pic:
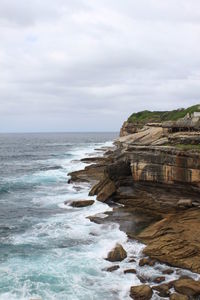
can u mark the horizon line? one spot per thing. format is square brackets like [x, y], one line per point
[34, 132]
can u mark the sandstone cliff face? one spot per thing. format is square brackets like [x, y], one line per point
[164, 166]
[151, 161]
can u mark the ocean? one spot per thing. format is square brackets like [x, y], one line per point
[49, 250]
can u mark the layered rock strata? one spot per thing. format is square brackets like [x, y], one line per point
[158, 186]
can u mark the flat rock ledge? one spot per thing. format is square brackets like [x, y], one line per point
[117, 254]
[141, 292]
[81, 203]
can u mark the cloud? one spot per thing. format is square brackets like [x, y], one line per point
[88, 64]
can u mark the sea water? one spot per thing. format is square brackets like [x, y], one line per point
[49, 250]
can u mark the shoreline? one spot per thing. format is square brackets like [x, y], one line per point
[123, 215]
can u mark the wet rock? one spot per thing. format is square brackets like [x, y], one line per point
[147, 261]
[130, 271]
[132, 260]
[81, 203]
[159, 279]
[117, 254]
[141, 292]
[112, 269]
[187, 287]
[142, 278]
[163, 290]
[168, 272]
[175, 296]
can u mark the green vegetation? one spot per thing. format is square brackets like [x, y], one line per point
[186, 147]
[161, 116]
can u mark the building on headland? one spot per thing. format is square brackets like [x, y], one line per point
[188, 123]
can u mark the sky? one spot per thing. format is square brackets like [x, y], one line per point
[86, 65]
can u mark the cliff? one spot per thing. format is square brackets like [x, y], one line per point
[154, 174]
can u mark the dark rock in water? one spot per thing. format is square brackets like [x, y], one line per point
[96, 219]
[112, 269]
[93, 159]
[159, 279]
[168, 272]
[187, 287]
[81, 203]
[130, 271]
[163, 290]
[175, 296]
[117, 254]
[132, 260]
[141, 292]
[147, 261]
[142, 278]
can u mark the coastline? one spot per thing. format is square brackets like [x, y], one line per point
[136, 221]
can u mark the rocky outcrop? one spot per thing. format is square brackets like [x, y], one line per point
[117, 254]
[175, 240]
[141, 292]
[81, 203]
[128, 128]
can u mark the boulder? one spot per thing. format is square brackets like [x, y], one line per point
[81, 203]
[141, 292]
[159, 279]
[187, 287]
[117, 254]
[163, 290]
[112, 269]
[130, 271]
[147, 261]
[168, 272]
[175, 296]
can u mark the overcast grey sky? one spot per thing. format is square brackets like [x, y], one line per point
[86, 65]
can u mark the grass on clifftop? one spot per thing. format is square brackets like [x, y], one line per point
[146, 116]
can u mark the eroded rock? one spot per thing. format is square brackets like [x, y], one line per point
[176, 296]
[130, 271]
[106, 191]
[147, 261]
[112, 269]
[163, 290]
[81, 203]
[187, 287]
[117, 253]
[141, 292]
[159, 279]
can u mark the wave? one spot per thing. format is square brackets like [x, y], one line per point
[49, 176]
